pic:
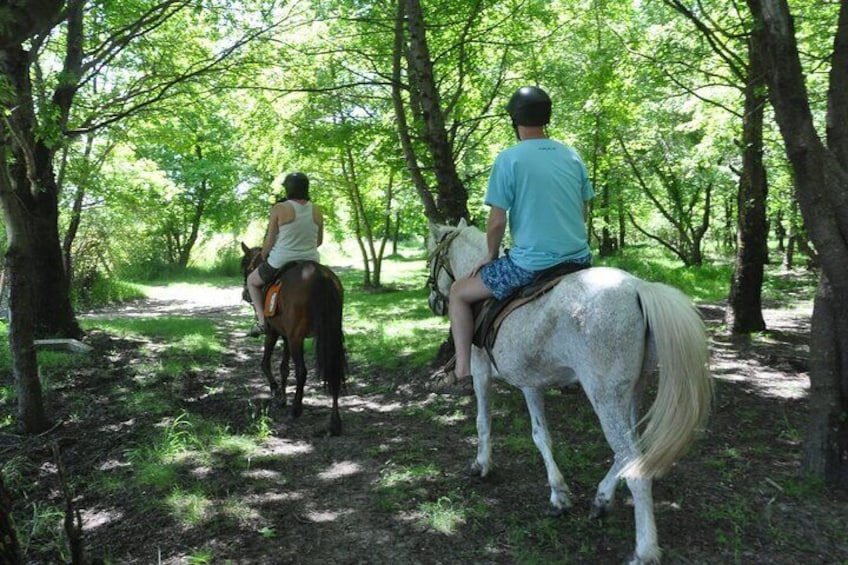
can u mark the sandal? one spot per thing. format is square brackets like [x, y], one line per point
[452, 385]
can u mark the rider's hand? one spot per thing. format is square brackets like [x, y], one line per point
[485, 261]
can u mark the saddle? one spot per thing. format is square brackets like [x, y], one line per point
[489, 314]
[271, 291]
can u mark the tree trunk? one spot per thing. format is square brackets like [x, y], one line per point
[821, 175]
[606, 248]
[10, 549]
[746, 314]
[54, 314]
[826, 436]
[34, 185]
[452, 201]
[431, 211]
[30, 416]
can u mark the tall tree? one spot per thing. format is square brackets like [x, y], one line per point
[821, 177]
[440, 105]
[197, 148]
[722, 29]
[37, 122]
[28, 198]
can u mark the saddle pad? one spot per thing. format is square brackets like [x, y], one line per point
[272, 295]
[489, 314]
[271, 291]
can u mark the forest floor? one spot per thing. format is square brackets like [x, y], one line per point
[735, 498]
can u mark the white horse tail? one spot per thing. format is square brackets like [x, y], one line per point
[685, 387]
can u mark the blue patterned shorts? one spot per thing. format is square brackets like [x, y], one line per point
[503, 277]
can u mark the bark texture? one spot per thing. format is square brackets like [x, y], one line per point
[821, 177]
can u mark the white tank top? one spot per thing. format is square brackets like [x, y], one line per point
[297, 240]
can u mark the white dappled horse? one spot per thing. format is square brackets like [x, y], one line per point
[608, 331]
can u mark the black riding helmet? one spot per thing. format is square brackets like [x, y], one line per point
[297, 186]
[530, 106]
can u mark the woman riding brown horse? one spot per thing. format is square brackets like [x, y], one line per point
[309, 304]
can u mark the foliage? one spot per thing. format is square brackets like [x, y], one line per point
[621, 75]
[97, 290]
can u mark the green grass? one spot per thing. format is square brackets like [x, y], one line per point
[392, 327]
[707, 283]
[388, 331]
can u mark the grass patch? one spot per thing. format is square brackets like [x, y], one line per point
[392, 327]
[707, 283]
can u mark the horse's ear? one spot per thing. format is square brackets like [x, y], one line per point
[245, 248]
[462, 223]
[434, 234]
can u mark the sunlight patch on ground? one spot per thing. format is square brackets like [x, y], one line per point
[113, 464]
[117, 427]
[201, 472]
[325, 515]
[261, 474]
[767, 381]
[339, 470]
[92, 519]
[281, 446]
[266, 497]
[376, 405]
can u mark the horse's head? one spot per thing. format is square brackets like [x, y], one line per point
[443, 263]
[249, 261]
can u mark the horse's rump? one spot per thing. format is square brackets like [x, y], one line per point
[589, 322]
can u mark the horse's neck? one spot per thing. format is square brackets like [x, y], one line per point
[470, 249]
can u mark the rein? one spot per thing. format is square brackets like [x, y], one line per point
[438, 261]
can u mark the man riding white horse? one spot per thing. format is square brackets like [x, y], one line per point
[540, 187]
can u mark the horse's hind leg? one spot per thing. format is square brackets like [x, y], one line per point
[270, 342]
[560, 498]
[284, 371]
[300, 378]
[605, 495]
[335, 417]
[615, 416]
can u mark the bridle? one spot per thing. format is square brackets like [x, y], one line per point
[438, 261]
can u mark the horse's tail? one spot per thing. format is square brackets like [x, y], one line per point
[326, 313]
[685, 388]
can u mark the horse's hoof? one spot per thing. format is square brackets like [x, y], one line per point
[475, 471]
[636, 560]
[555, 512]
[598, 512]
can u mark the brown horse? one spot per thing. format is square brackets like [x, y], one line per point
[309, 305]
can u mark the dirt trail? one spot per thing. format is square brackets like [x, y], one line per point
[392, 488]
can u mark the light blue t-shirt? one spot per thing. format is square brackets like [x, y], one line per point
[543, 185]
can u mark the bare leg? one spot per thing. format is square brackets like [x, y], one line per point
[463, 294]
[254, 287]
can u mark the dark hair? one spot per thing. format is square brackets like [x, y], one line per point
[297, 186]
[530, 106]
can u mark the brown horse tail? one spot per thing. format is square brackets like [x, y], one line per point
[326, 314]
